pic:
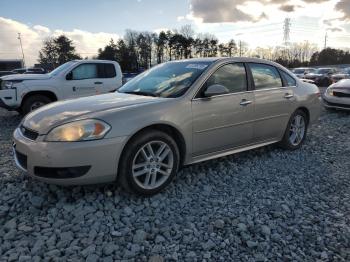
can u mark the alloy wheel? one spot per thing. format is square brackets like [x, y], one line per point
[152, 164]
[297, 130]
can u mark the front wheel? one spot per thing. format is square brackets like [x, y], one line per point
[296, 131]
[149, 163]
[34, 102]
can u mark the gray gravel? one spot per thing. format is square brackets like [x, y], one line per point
[262, 205]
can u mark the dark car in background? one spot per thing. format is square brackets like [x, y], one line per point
[322, 76]
[343, 74]
[5, 73]
[300, 72]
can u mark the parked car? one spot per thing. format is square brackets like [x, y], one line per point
[5, 73]
[337, 96]
[343, 74]
[322, 76]
[35, 70]
[175, 114]
[19, 70]
[73, 79]
[300, 72]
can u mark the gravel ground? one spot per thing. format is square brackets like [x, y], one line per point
[262, 205]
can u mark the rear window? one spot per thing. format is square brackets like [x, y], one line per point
[106, 70]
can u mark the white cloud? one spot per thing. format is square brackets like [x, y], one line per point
[87, 43]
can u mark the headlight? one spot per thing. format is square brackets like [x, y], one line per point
[83, 130]
[6, 84]
[329, 91]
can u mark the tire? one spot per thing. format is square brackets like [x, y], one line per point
[149, 178]
[33, 102]
[286, 142]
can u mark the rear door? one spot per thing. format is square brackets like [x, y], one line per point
[224, 121]
[81, 81]
[273, 102]
[107, 81]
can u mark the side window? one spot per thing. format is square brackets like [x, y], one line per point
[290, 80]
[106, 70]
[265, 76]
[84, 71]
[231, 76]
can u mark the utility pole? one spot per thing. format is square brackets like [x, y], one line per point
[240, 48]
[286, 31]
[20, 42]
[325, 40]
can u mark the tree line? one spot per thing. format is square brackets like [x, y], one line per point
[138, 51]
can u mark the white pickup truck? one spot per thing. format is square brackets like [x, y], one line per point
[26, 92]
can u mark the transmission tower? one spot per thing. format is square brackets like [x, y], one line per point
[286, 31]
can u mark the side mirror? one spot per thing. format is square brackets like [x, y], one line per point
[215, 90]
[69, 76]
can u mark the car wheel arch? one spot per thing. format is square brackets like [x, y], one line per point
[166, 128]
[306, 111]
[49, 94]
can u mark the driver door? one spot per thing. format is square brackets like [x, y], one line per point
[223, 122]
[82, 81]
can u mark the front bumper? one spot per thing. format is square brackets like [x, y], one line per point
[341, 103]
[78, 163]
[8, 99]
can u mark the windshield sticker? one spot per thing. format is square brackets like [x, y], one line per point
[196, 66]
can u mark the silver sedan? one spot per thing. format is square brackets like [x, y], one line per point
[175, 114]
[337, 96]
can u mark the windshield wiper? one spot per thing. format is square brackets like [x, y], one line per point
[140, 93]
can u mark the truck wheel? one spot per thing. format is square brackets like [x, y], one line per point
[33, 102]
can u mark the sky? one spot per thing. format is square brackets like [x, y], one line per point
[91, 24]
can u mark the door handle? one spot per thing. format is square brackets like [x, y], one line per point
[98, 83]
[287, 96]
[74, 88]
[245, 102]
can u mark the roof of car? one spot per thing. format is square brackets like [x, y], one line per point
[236, 59]
[94, 61]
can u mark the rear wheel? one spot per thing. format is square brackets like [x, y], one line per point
[296, 131]
[34, 102]
[149, 163]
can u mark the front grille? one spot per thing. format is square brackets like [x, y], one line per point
[22, 159]
[30, 134]
[340, 94]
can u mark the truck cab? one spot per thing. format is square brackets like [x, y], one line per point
[78, 78]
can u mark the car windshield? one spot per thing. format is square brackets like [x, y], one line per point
[323, 70]
[61, 68]
[298, 71]
[170, 79]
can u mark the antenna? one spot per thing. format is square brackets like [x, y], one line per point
[286, 30]
[20, 42]
[325, 40]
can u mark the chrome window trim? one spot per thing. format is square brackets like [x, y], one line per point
[223, 95]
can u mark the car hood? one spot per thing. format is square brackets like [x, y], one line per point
[343, 85]
[22, 77]
[45, 118]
